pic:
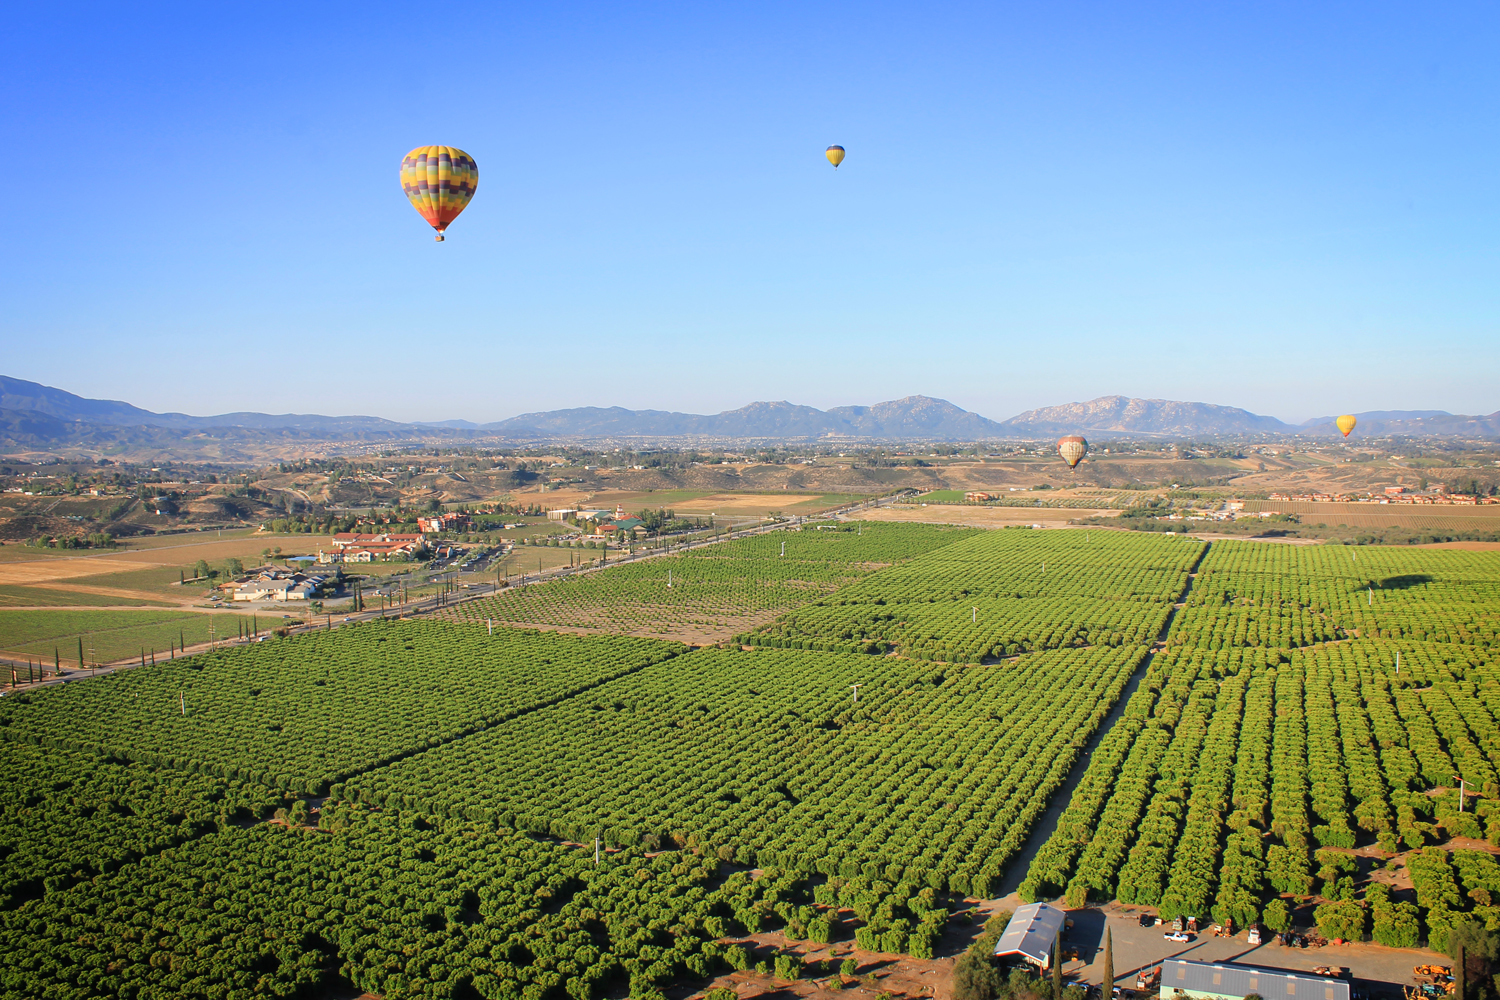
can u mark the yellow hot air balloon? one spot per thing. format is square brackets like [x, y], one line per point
[835, 155]
[1346, 423]
[439, 181]
[1072, 448]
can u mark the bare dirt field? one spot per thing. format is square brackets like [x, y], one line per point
[1369, 515]
[693, 503]
[1466, 546]
[875, 972]
[982, 517]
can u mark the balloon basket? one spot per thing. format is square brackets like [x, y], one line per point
[439, 237]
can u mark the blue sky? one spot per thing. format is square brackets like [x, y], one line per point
[1287, 207]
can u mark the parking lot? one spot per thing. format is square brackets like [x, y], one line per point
[1373, 969]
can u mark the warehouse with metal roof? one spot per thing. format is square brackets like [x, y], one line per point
[1181, 978]
[1031, 933]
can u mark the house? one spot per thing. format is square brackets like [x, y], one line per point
[275, 585]
[620, 524]
[444, 522]
[1181, 978]
[1031, 934]
[347, 538]
[382, 551]
[975, 496]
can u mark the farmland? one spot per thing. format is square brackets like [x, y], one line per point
[397, 806]
[1276, 735]
[113, 634]
[710, 593]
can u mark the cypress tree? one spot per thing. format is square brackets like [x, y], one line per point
[1109, 963]
[80, 652]
[1057, 967]
[1460, 977]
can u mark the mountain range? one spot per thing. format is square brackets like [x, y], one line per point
[34, 416]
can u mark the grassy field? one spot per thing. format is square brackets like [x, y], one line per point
[114, 634]
[45, 597]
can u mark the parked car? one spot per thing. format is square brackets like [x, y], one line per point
[1178, 936]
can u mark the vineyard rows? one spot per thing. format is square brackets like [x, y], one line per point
[1270, 736]
[298, 714]
[404, 909]
[719, 589]
[1275, 734]
[67, 816]
[998, 594]
[763, 758]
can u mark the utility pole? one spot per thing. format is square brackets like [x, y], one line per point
[182, 701]
[596, 851]
[856, 688]
[975, 617]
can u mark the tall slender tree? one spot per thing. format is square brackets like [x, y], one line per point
[1057, 967]
[1109, 963]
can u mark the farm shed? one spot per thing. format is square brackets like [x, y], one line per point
[1032, 932]
[1226, 981]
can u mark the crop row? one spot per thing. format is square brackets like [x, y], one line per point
[728, 586]
[67, 816]
[999, 594]
[935, 776]
[299, 713]
[405, 910]
[1251, 744]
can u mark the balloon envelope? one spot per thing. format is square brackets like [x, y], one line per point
[835, 155]
[439, 181]
[1346, 423]
[1072, 448]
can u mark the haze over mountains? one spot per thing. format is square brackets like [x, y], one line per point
[38, 417]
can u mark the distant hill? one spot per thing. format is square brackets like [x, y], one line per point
[1143, 417]
[912, 417]
[1411, 423]
[36, 417]
[18, 394]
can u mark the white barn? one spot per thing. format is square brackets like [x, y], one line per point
[1031, 934]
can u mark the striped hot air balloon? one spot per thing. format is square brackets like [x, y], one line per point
[835, 155]
[1346, 423]
[439, 181]
[1072, 448]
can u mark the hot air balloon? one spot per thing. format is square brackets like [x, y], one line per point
[1346, 423]
[1072, 448]
[439, 181]
[835, 155]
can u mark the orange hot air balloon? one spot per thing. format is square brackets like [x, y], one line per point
[439, 181]
[1346, 423]
[1072, 448]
